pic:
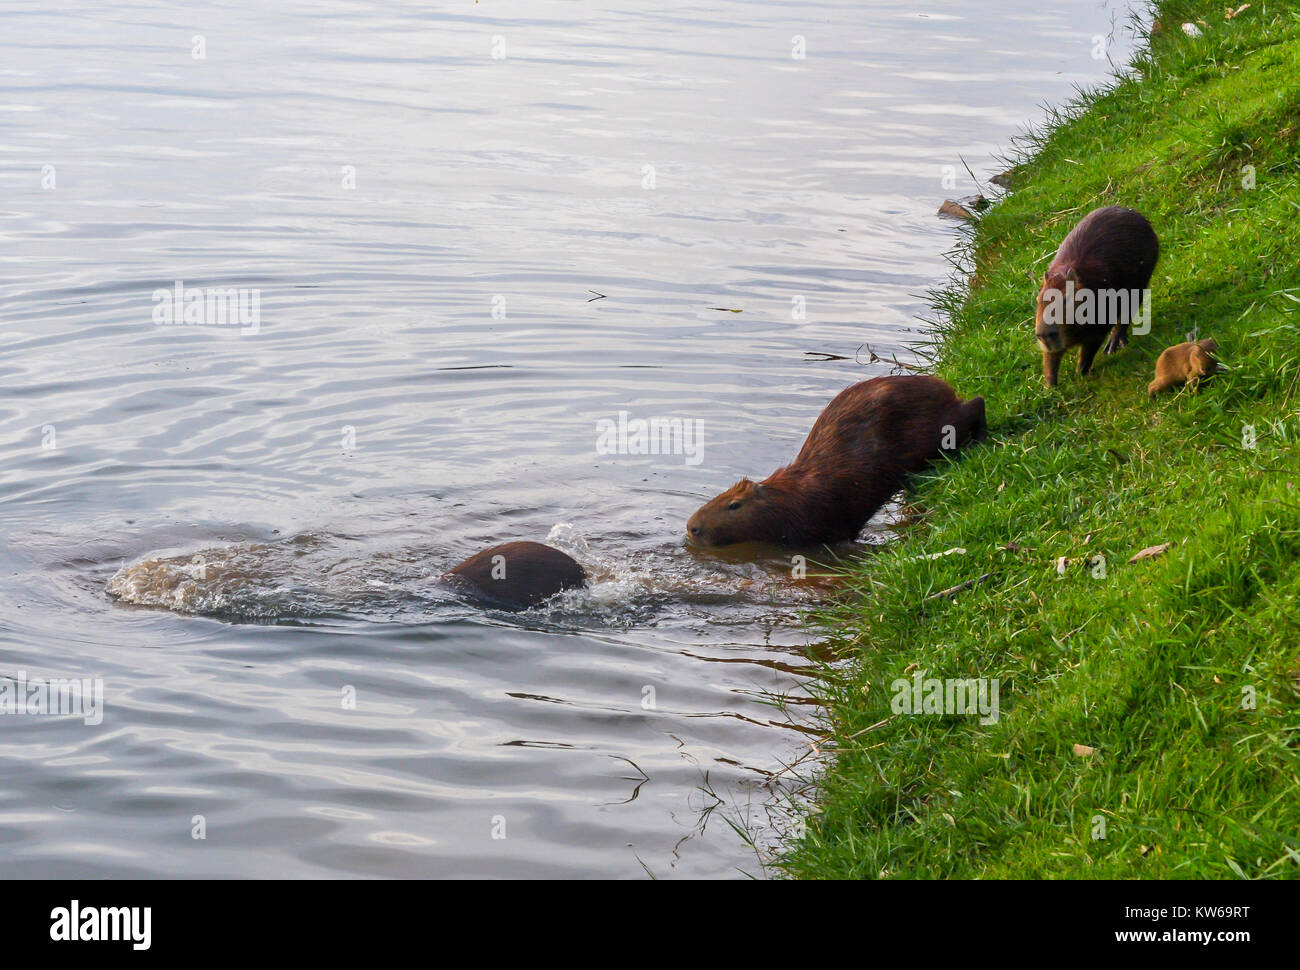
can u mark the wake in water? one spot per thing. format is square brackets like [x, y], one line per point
[319, 575]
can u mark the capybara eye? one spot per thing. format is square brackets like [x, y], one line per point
[733, 506]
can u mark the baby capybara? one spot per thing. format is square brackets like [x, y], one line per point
[1094, 287]
[516, 574]
[1185, 364]
[858, 454]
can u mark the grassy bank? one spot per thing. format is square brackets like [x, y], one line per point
[1152, 665]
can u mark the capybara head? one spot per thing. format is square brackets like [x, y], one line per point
[743, 513]
[1200, 359]
[1055, 311]
[517, 574]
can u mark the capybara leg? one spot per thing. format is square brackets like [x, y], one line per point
[1051, 366]
[1162, 384]
[1086, 355]
[1118, 338]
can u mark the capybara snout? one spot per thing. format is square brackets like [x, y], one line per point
[737, 515]
[1049, 340]
[516, 575]
[858, 454]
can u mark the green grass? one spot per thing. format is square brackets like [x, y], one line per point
[1149, 664]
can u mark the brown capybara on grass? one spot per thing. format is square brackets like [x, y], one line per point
[1185, 364]
[858, 454]
[516, 574]
[1094, 286]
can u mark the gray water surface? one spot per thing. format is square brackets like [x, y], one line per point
[428, 228]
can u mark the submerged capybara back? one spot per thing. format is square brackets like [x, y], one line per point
[517, 574]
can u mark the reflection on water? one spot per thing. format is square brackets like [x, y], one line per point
[463, 264]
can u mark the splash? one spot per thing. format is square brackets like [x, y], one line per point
[317, 575]
[297, 578]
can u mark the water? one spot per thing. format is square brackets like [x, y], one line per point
[428, 228]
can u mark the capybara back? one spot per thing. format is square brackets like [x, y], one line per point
[517, 574]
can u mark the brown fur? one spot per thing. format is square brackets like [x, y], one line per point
[1111, 248]
[1184, 364]
[527, 574]
[858, 454]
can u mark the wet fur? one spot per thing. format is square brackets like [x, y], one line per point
[857, 456]
[1111, 248]
[533, 573]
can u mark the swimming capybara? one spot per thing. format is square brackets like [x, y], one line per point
[1094, 286]
[858, 454]
[516, 574]
[1185, 364]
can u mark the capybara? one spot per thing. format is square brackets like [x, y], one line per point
[858, 454]
[516, 574]
[1094, 286]
[1185, 364]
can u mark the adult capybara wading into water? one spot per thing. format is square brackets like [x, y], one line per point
[1094, 287]
[858, 454]
[516, 574]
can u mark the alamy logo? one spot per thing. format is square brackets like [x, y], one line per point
[80, 697]
[213, 306]
[651, 436]
[1068, 306]
[72, 924]
[922, 695]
